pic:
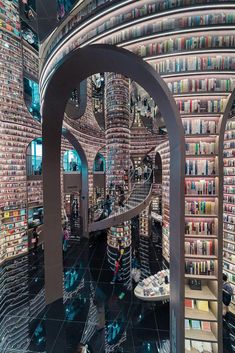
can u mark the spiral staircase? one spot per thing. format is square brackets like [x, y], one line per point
[139, 198]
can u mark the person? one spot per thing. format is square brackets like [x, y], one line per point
[227, 294]
[116, 270]
[35, 239]
[83, 349]
[121, 199]
[74, 166]
[145, 172]
[139, 173]
[108, 204]
[65, 238]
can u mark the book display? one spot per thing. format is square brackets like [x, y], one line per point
[229, 202]
[155, 287]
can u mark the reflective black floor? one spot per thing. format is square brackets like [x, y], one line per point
[107, 317]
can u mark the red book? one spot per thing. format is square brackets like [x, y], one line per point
[189, 303]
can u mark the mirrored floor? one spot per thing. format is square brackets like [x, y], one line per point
[107, 317]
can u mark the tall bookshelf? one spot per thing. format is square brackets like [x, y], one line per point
[229, 201]
[201, 119]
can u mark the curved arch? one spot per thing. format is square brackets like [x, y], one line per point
[100, 156]
[74, 68]
[75, 113]
[84, 191]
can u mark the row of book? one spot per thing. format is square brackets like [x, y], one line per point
[229, 189]
[229, 171]
[199, 346]
[201, 85]
[228, 154]
[194, 267]
[201, 106]
[200, 207]
[150, 28]
[229, 162]
[200, 228]
[229, 199]
[195, 63]
[229, 227]
[228, 218]
[228, 266]
[229, 236]
[199, 126]
[229, 135]
[199, 247]
[200, 187]
[200, 167]
[200, 148]
[228, 145]
[184, 43]
[201, 305]
[229, 246]
[229, 181]
[229, 208]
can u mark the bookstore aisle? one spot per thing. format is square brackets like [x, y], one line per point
[107, 317]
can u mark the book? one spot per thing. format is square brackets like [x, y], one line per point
[206, 326]
[189, 303]
[187, 324]
[195, 324]
[188, 345]
[202, 305]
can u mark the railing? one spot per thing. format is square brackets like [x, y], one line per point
[101, 216]
[34, 165]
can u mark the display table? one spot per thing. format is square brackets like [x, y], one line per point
[154, 288]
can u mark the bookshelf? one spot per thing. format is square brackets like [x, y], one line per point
[188, 64]
[164, 150]
[129, 21]
[229, 202]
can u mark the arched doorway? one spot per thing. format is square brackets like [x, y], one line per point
[74, 68]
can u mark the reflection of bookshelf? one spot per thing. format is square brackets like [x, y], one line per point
[164, 151]
[229, 202]
[144, 222]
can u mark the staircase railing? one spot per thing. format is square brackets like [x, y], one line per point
[135, 203]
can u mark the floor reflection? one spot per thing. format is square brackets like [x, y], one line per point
[106, 317]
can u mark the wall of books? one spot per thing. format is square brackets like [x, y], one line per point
[16, 133]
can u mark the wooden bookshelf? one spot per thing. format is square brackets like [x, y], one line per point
[229, 207]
